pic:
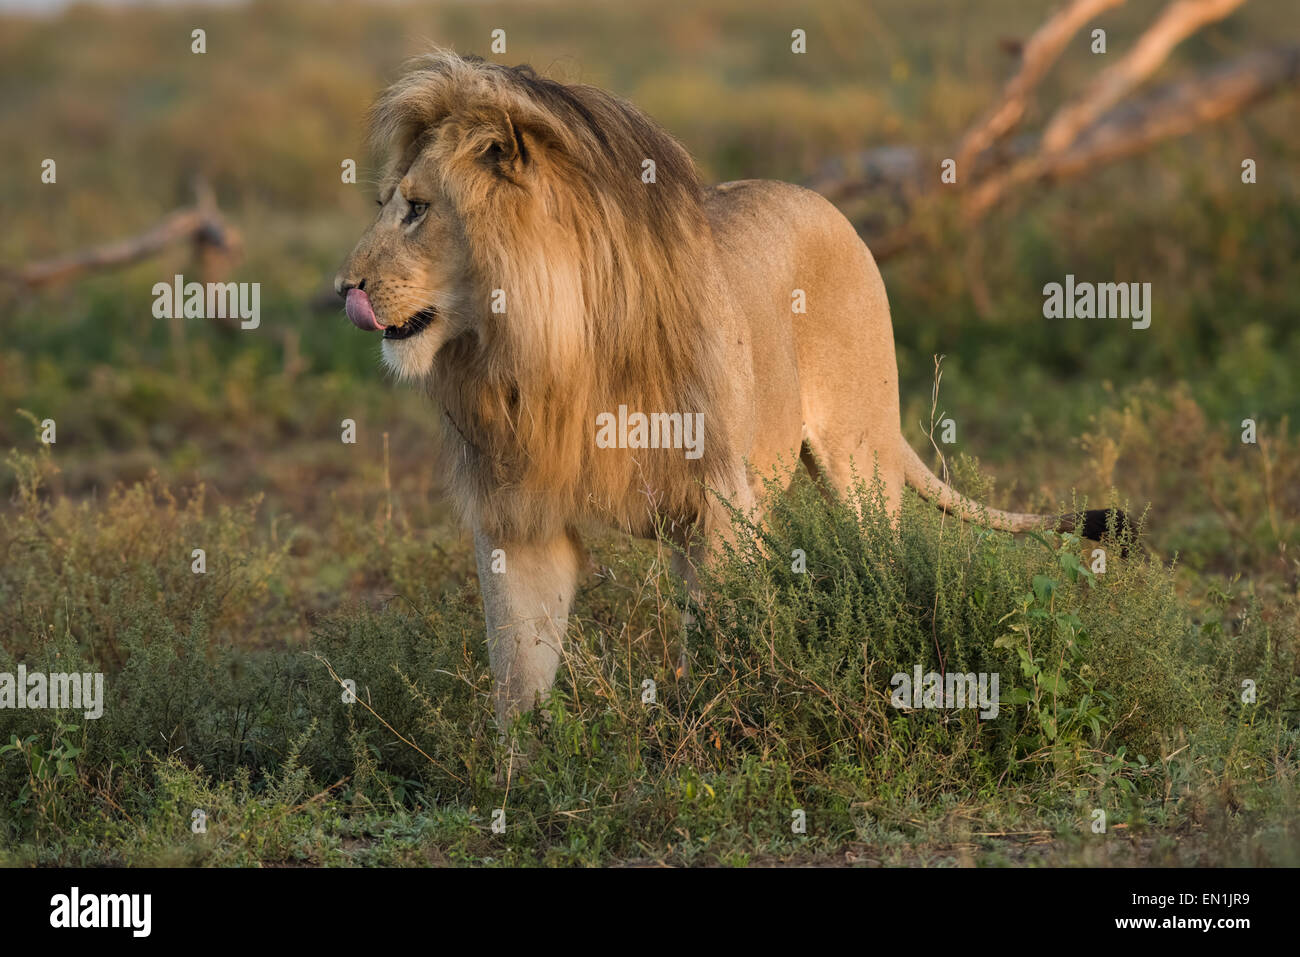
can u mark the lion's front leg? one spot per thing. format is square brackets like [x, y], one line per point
[527, 591]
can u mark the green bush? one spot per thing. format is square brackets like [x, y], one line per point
[1114, 691]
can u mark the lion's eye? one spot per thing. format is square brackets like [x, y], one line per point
[415, 212]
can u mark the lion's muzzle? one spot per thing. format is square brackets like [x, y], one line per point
[360, 311]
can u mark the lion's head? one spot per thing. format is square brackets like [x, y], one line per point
[525, 269]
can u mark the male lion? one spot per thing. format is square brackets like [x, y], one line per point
[545, 260]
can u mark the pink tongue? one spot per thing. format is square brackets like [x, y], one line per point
[359, 311]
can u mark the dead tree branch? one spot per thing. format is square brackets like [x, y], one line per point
[1167, 113]
[888, 185]
[216, 244]
[1040, 54]
[1178, 21]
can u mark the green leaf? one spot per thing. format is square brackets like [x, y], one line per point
[1036, 536]
[1048, 724]
[1070, 563]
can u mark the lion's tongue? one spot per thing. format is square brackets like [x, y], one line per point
[359, 311]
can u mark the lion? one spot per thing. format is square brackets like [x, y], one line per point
[546, 264]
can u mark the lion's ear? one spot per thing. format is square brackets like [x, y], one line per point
[508, 152]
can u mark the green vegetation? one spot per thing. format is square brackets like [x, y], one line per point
[1124, 701]
[1121, 691]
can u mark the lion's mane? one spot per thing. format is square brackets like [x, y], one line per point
[609, 287]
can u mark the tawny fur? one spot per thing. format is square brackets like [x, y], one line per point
[662, 296]
[606, 295]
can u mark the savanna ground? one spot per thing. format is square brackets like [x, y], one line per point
[1122, 691]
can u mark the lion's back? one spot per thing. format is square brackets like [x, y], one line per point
[815, 304]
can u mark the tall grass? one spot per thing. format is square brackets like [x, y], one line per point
[1112, 694]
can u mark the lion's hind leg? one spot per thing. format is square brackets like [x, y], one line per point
[841, 466]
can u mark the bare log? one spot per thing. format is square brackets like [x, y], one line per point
[888, 185]
[1171, 111]
[1040, 54]
[1178, 21]
[216, 243]
[1178, 109]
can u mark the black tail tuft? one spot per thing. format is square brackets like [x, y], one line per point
[1095, 524]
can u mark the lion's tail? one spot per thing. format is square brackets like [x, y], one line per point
[933, 489]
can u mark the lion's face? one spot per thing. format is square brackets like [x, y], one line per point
[408, 275]
[542, 255]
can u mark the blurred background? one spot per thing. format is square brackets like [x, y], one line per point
[886, 90]
[174, 435]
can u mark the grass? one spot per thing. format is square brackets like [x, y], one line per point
[324, 558]
[1126, 700]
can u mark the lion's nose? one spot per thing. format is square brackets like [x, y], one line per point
[341, 285]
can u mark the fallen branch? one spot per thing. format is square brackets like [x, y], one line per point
[1178, 21]
[215, 241]
[885, 190]
[1040, 54]
[1170, 112]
